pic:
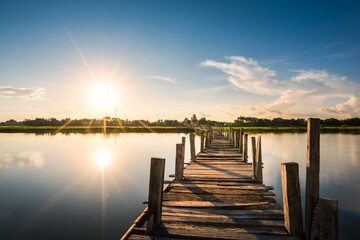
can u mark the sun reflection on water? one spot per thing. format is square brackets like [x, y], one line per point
[103, 158]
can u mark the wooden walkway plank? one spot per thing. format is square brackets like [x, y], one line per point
[218, 199]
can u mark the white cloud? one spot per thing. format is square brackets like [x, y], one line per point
[166, 79]
[307, 93]
[34, 93]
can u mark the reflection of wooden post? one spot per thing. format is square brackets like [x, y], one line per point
[241, 141]
[201, 141]
[292, 199]
[253, 147]
[258, 161]
[245, 151]
[192, 147]
[312, 172]
[155, 193]
[325, 221]
[179, 164]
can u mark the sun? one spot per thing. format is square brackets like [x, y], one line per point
[103, 95]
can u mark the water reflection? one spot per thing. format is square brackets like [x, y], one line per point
[103, 158]
[35, 159]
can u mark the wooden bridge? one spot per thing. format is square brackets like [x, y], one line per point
[218, 195]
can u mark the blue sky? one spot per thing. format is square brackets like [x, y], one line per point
[169, 59]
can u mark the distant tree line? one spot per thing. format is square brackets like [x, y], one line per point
[91, 122]
[239, 122]
[299, 122]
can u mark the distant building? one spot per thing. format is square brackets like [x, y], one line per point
[194, 120]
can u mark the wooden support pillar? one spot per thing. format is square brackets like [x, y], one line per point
[241, 140]
[292, 199]
[192, 147]
[157, 169]
[312, 172]
[325, 221]
[201, 141]
[258, 162]
[253, 148]
[245, 150]
[179, 163]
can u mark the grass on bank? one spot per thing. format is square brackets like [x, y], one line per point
[92, 129]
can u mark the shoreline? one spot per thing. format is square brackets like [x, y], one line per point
[159, 129]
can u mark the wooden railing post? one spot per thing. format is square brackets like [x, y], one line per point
[241, 141]
[258, 160]
[245, 150]
[201, 141]
[192, 147]
[312, 172]
[157, 169]
[179, 163]
[253, 147]
[292, 199]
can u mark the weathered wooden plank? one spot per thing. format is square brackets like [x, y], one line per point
[203, 232]
[210, 221]
[218, 191]
[274, 209]
[234, 198]
[219, 186]
[208, 204]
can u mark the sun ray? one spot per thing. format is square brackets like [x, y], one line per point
[81, 55]
[122, 127]
[146, 126]
[88, 127]
[63, 126]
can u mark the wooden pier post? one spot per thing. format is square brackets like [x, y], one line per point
[292, 199]
[201, 141]
[253, 147]
[312, 172]
[325, 221]
[179, 163]
[157, 169]
[192, 147]
[207, 139]
[241, 141]
[183, 142]
[258, 162]
[245, 150]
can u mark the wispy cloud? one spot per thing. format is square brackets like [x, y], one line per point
[306, 93]
[34, 93]
[166, 79]
[206, 91]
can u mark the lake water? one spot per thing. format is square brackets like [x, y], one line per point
[91, 186]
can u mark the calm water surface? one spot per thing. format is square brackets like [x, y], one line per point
[92, 186]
